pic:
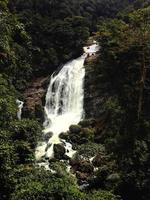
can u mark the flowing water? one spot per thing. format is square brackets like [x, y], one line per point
[64, 104]
[20, 106]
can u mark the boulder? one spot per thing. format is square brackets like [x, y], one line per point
[47, 147]
[65, 157]
[64, 135]
[75, 129]
[79, 139]
[59, 151]
[47, 136]
[83, 136]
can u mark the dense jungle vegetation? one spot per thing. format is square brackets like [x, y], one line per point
[38, 36]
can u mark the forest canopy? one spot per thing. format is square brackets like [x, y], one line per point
[39, 36]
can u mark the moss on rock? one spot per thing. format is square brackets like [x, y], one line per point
[75, 129]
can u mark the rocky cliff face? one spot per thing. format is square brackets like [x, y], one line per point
[35, 98]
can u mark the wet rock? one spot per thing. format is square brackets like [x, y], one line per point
[47, 136]
[65, 157]
[75, 139]
[85, 135]
[75, 129]
[78, 139]
[52, 160]
[59, 151]
[47, 147]
[42, 160]
[64, 135]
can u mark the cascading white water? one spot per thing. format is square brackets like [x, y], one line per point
[92, 49]
[64, 103]
[20, 106]
[64, 99]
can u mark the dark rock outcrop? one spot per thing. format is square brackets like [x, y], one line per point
[59, 151]
[83, 169]
[79, 135]
[47, 136]
[34, 97]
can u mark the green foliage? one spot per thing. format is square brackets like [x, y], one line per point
[27, 130]
[37, 37]
[8, 108]
[3, 5]
[89, 150]
[7, 159]
[59, 29]
[43, 185]
[14, 50]
[102, 195]
[120, 42]
[57, 33]
[124, 64]
[17, 138]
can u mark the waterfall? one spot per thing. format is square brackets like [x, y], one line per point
[64, 103]
[64, 99]
[20, 106]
